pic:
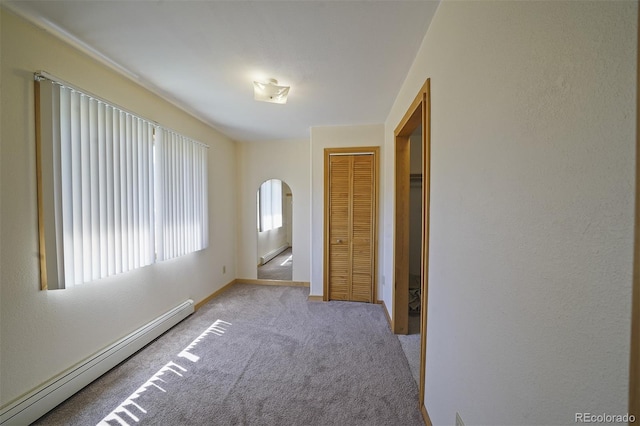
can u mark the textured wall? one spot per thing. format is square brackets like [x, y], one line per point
[533, 126]
[46, 332]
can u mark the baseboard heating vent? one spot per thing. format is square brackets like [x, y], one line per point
[273, 253]
[43, 399]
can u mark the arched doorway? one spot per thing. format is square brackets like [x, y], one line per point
[274, 201]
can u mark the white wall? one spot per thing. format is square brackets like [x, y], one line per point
[531, 218]
[285, 160]
[333, 137]
[46, 332]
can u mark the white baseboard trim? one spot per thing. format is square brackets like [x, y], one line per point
[38, 402]
[273, 253]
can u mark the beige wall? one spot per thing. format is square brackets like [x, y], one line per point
[533, 126]
[45, 332]
[288, 161]
[331, 137]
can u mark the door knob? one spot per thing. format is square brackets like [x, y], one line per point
[339, 241]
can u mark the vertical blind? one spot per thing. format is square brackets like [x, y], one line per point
[106, 204]
[182, 195]
[270, 202]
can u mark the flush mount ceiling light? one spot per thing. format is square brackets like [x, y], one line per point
[270, 92]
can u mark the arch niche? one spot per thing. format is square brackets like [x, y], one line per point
[274, 214]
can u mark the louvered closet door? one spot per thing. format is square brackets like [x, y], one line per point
[351, 227]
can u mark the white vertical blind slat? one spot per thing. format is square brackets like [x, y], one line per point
[131, 193]
[144, 194]
[169, 197]
[158, 193]
[85, 184]
[110, 190]
[66, 179]
[94, 189]
[151, 196]
[135, 174]
[177, 230]
[102, 190]
[117, 191]
[76, 190]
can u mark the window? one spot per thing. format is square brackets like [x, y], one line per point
[181, 206]
[270, 205]
[116, 192]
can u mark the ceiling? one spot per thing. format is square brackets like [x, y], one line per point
[344, 60]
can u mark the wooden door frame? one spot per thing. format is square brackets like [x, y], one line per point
[418, 114]
[375, 151]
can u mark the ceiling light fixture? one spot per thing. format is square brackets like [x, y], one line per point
[270, 92]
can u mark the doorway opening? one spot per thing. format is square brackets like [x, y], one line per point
[274, 228]
[411, 256]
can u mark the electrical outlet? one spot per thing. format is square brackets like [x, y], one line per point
[224, 269]
[459, 421]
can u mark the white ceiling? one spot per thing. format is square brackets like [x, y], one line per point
[345, 60]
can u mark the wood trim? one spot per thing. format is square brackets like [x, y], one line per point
[425, 415]
[410, 115]
[375, 218]
[634, 355]
[400, 321]
[375, 150]
[353, 150]
[315, 299]
[41, 237]
[386, 313]
[325, 232]
[426, 210]
[419, 113]
[273, 282]
[213, 295]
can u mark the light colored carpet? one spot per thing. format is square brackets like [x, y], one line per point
[278, 268]
[411, 348]
[259, 355]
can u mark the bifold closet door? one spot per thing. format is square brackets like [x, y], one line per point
[351, 222]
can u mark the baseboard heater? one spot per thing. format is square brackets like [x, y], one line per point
[273, 253]
[43, 399]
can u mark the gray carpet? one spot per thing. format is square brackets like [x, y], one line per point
[259, 355]
[278, 268]
[411, 346]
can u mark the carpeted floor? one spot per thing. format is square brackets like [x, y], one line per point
[411, 346]
[278, 268]
[259, 355]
